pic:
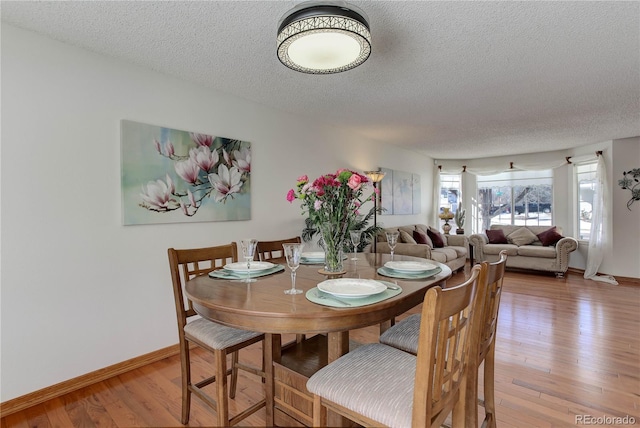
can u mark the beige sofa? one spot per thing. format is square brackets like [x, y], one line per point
[453, 254]
[522, 254]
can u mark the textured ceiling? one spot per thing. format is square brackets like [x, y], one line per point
[453, 80]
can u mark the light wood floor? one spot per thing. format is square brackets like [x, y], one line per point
[566, 349]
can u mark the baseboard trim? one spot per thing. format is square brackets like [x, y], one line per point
[37, 397]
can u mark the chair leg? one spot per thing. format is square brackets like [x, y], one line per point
[186, 380]
[319, 412]
[234, 375]
[489, 382]
[221, 388]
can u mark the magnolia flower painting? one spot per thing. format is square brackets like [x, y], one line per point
[171, 176]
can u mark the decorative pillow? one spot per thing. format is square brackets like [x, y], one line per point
[522, 236]
[550, 237]
[436, 238]
[496, 236]
[422, 238]
[406, 238]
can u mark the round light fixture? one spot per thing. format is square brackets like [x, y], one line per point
[323, 38]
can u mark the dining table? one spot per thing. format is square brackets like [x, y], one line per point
[323, 319]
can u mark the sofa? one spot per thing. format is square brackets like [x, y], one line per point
[541, 248]
[453, 253]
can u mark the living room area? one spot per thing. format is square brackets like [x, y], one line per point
[83, 291]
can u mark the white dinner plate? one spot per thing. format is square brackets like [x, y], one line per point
[351, 287]
[313, 255]
[409, 266]
[242, 266]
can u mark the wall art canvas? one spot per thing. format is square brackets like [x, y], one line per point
[174, 176]
[386, 192]
[400, 192]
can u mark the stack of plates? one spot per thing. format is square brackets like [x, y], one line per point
[409, 269]
[351, 287]
[241, 267]
[312, 258]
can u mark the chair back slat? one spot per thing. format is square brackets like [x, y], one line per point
[273, 249]
[443, 350]
[187, 264]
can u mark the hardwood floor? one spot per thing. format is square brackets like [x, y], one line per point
[568, 351]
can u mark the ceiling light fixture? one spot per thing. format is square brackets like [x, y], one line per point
[323, 37]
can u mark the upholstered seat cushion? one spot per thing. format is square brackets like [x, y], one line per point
[537, 251]
[404, 335]
[448, 252]
[385, 395]
[217, 336]
[511, 249]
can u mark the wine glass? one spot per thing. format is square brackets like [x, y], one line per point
[249, 252]
[293, 252]
[355, 240]
[392, 240]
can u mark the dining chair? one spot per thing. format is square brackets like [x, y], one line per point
[273, 249]
[484, 342]
[214, 337]
[378, 385]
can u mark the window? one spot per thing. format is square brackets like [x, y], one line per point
[515, 198]
[450, 194]
[585, 189]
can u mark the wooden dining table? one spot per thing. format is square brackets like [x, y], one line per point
[264, 307]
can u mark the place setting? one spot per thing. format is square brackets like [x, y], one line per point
[409, 269]
[248, 270]
[352, 292]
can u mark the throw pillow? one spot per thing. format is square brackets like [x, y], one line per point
[422, 238]
[438, 242]
[406, 238]
[522, 236]
[550, 237]
[496, 236]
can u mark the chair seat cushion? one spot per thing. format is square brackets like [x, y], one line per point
[404, 335]
[217, 336]
[537, 251]
[385, 395]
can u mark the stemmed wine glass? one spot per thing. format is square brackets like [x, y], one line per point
[249, 252]
[293, 252]
[392, 239]
[355, 240]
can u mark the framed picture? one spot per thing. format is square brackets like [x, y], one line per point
[174, 176]
[400, 192]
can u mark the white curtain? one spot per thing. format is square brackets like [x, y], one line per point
[598, 240]
[433, 216]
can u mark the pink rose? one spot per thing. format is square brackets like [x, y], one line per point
[303, 179]
[355, 182]
[291, 195]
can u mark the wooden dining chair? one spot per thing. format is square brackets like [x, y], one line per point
[379, 385]
[214, 337]
[484, 344]
[273, 249]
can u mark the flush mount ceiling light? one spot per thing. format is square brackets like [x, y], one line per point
[323, 38]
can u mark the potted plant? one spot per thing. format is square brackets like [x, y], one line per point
[459, 218]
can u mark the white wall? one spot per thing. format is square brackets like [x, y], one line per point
[79, 290]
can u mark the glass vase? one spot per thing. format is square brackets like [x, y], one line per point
[333, 242]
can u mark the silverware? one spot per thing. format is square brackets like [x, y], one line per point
[330, 297]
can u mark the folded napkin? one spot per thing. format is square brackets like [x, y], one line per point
[228, 274]
[385, 271]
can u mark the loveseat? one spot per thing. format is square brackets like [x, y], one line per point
[540, 248]
[453, 252]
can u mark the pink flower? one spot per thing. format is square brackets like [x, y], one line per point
[201, 139]
[225, 155]
[291, 195]
[192, 200]
[226, 182]
[355, 182]
[157, 144]
[242, 159]
[303, 179]
[170, 151]
[172, 187]
[317, 205]
[204, 157]
[157, 196]
[188, 170]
